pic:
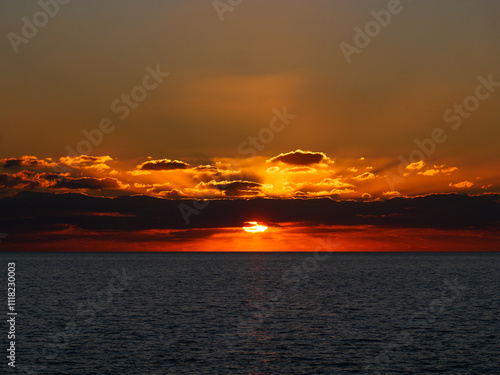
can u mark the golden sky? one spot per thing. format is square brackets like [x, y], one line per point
[226, 78]
[295, 174]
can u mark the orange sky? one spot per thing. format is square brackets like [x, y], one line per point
[296, 174]
[176, 101]
[290, 237]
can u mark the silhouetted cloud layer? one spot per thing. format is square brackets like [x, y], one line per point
[26, 212]
[87, 183]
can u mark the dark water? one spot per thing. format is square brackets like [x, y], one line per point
[256, 313]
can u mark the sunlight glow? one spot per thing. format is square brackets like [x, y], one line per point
[255, 228]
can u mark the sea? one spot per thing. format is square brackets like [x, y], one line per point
[253, 313]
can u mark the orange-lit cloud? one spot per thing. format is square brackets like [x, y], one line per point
[437, 170]
[462, 184]
[417, 165]
[26, 161]
[392, 193]
[294, 174]
[365, 176]
[163, 165]
[85, 160]
[27, 180]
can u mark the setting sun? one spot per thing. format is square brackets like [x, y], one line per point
[255, 228]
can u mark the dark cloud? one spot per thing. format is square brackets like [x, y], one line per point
[163, 165]
[29, 211]
[11, 162]
[207, 168]
[209, 174]
[87, 183]
[24, 161]
[300, 157]
[173, 194]
[237, 188]
[27, 180]
[18, 180]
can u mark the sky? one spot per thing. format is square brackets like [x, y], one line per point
[361, 101]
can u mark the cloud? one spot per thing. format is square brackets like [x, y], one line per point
[27, 180]
[430, 172]
[299, 170]
[87, 183]
[163, 165]
[328, 187]
[236, 188]
[438, 169]
[138, 172]
[173, 194]
[207, 168]
[322, 193]
[325, 184]
[224, 177]
[462, 185]
[300, 157]
[291, 170]
[97, 163]
[22, 212]
[449, 170]
[84, 160]
[17, 180]
[417, 165]
[155, 188]
[220, 172]
[25, 161]
[273, 170]
[392, 193]
[365, 176]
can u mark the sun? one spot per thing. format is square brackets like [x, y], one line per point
[255, 228]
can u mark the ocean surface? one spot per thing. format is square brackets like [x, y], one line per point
[255, 313]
